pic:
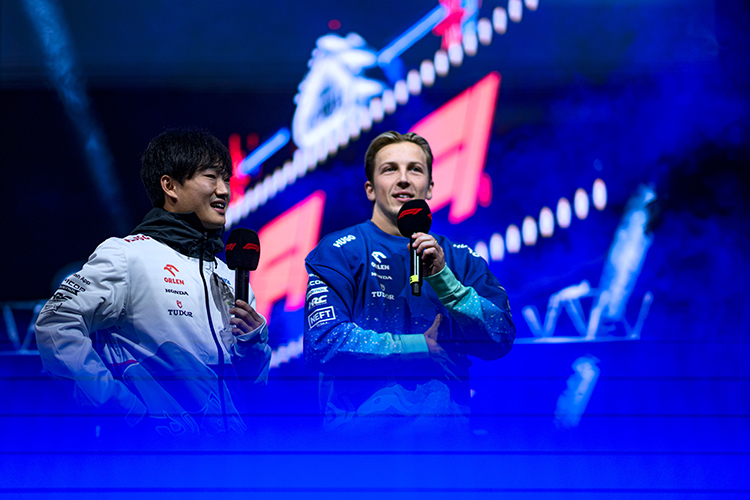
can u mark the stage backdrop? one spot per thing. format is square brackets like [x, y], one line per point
[593, 153]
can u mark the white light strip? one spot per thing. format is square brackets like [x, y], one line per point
[530, 229]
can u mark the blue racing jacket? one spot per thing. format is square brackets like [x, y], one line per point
[364, 329]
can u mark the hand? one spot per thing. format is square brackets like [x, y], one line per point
[437, 352]
[245, 318]
[431, 336]
[432, 254]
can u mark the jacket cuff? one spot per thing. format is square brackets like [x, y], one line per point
[414, 343]
[444, 283]
[259, 335]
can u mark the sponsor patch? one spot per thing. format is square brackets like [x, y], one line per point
[81, 279]
[176, 292]
[381, 276]
[316, 291]
[377, 256]
[344, 240]
[381, 267]
[137, 237]
[468, 248]
[383, 295]
[315, 283]
[318, 301]
[321, 316]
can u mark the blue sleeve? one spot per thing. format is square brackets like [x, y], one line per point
[480, 308]
[333, 342]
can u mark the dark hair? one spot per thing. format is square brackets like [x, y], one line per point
[180, 154]
[392, 137]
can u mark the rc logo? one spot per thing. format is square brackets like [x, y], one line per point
[377, 256]
[318, 301]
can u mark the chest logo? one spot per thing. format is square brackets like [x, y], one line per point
[377, 256]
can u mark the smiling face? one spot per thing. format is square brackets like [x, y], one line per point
[399, 175]
[206, 193]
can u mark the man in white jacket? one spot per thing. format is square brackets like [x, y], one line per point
[149, 329]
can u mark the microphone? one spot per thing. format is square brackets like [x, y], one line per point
[243, 254]
[414, 217]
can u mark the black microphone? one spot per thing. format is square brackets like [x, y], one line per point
[414, 217]
[243, 254]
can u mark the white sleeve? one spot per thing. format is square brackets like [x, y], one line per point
[92, 299]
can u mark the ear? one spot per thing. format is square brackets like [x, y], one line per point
[169, 186]
[429, 191]
[370, 190]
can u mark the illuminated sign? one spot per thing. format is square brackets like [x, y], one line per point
[333, 98]
[287, 240]
[458, 133]
[336, 101]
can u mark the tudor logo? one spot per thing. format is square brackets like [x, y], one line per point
[172, 270]
[378, 255]
[179, 304]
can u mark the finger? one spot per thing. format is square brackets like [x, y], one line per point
[245, 310]
[438, 319]
[239, 326]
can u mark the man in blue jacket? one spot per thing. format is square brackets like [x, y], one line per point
[381, 351]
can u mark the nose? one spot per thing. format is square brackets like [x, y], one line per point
[403, 178]
[222, 188]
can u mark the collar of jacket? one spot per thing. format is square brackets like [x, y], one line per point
[181, 231]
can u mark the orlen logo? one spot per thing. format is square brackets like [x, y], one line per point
[379, 255]
[172, 270]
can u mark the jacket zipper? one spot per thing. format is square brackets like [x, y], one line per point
[219, 350]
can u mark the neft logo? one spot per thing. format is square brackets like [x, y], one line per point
[321, 316]
[172, 270]
[344, 240]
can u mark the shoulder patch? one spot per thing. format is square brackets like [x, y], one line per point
[344, 240]
[136, 237]
[468, 249]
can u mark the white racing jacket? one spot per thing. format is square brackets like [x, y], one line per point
[138, 331]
